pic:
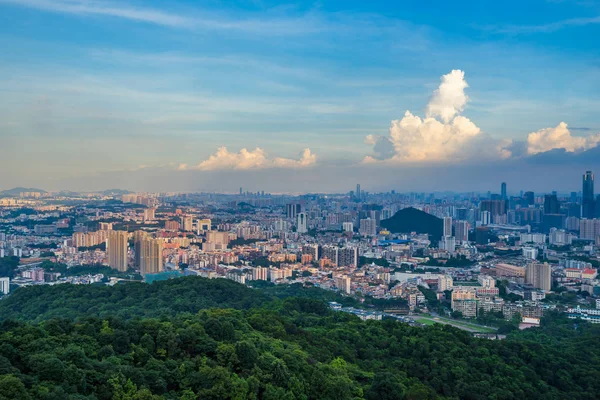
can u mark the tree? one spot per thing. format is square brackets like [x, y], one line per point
[11, 388]
[386, 386]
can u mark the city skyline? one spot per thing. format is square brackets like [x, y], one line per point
[298, 98]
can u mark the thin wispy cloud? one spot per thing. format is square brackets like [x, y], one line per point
[270, 23]
[543, 28]
[118, 10]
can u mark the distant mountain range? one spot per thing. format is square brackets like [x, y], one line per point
[109, 192]
[17, 191]
[412, 220]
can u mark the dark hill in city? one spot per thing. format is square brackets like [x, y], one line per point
[412, 220]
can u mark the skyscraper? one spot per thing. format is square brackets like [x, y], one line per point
[529, 198]
[587, 200]
[358, 190]
[551, 204]
[116, 250]
[447, 226]
[292, 210]
[503, 190]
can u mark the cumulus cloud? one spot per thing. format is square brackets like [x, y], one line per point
[442, 135]
[559, 138]
[449, 99]
[251, 159]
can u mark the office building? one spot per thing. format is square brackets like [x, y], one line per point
[292, 210]
[494, 207]
[503, 191]
[539, 276]
[447, 226]
[302, 223]
[116, 250]
[151, 260]
[358, 191]
[203, 225]
[587, 199]
[529, 198]
[551, 204]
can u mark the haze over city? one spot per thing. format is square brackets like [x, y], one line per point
[306, 97]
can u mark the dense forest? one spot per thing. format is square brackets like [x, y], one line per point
[214, 339]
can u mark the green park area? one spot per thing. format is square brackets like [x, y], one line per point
[467, 326]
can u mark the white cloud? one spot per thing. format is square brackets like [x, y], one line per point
[442, 135]
[251, 159]
[449, 99]
[119, 10]
[559, 138]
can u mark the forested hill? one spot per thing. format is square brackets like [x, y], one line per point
[280, 343]
[134, 299]
[128, 300]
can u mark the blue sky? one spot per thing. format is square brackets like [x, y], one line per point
[94, 90]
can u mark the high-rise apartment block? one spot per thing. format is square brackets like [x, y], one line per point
[348, 257]
[447, 226]
[445, 282]
[4, 285]
[302, 223]
[539, 276]
[151, 260]
[589, 228]
[462, 231]
[187, 223]
[116, 250]
[368, 227]
[343, 283]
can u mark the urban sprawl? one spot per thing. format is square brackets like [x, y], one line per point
[439, 257]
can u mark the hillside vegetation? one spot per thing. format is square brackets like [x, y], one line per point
[214, 339]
